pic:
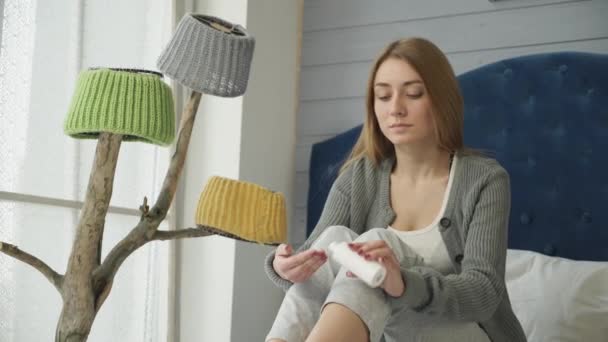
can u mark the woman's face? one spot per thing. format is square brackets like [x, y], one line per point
[402, 105]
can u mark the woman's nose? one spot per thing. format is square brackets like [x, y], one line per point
[397, 108]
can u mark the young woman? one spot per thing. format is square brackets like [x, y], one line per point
[413, 198]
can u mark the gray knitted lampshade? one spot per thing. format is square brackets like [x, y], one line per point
[209, 55]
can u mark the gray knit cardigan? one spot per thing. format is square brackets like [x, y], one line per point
[474, 229]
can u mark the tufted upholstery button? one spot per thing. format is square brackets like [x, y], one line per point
[550, 250]
[444, 223]
[563, 68]
[559, 131]
[507, 73]
[458, 258]
[525, 218]
[586, 217]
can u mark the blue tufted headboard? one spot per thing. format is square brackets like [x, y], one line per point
[544, 117]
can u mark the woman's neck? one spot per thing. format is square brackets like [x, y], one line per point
[421, 164]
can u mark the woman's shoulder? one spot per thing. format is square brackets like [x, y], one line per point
[476, 164]
[477, 173]
[478, 160]
[362, 171]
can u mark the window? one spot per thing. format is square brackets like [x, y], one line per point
[44, 173]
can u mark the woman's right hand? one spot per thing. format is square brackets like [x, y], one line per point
[299, 267]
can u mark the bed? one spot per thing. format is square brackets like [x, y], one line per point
[544, 117]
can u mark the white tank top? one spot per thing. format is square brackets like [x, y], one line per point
[428, 243]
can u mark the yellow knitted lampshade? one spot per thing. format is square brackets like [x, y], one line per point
[243, 211]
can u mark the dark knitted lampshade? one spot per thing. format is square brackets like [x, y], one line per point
[209, 55]
[135, 103]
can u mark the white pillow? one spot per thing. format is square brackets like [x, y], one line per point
[558, 299]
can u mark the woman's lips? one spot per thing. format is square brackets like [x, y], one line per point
[400, 125]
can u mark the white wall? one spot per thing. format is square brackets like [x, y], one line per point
[268, 140]
[342, 37]
[222, 291]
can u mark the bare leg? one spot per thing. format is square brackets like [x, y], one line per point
[338, 323]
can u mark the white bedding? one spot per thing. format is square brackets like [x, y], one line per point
[558, 299]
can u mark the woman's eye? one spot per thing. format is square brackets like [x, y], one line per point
[383, 97]
[414, 95]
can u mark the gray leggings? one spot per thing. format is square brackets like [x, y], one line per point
[303, 302]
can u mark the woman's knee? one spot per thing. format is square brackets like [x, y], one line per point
[334, 233]
[404, 253]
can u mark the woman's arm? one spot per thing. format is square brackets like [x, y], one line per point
[475, 293]
[336, 211]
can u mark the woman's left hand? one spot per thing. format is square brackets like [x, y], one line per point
[380, 251]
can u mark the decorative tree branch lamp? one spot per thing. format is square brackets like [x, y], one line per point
[208, 55]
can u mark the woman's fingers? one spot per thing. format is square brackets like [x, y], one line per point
[294, 261]
[283, 250]
[374, 249]
[377, 253]
[315, 266]
[304, 270]
[379, 250]
[369, 245]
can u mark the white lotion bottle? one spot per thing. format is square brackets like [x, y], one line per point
[371, 272]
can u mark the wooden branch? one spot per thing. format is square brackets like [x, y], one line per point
[104, 275]
[180, 234]
[86, 249]
[55, 278]
[125, 247]
[135, 239]
[144, 208]
[179, 157]
[146, 229]
[79, 298]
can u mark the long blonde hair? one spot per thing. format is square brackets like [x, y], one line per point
[441, 84]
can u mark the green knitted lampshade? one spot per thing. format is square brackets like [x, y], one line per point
[135, 103]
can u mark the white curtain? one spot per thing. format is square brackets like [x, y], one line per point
[44, 173]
